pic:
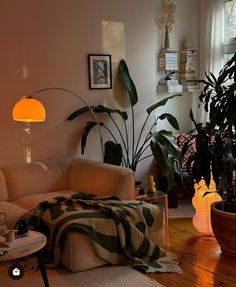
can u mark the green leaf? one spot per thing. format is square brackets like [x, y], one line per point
[165, 138]
[89, 126]
[160, 103]
[160, 155]
[80, 112]
[164, 167]
[165, 149]
[113, 153]
[102, 109]
[97, 109]
[128, 82]
[171, 119]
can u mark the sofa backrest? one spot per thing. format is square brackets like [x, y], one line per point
[101, 179]
[36, 177]
[62, 174]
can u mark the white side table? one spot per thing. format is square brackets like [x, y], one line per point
[32, 244]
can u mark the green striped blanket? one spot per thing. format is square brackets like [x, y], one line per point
[119, 230]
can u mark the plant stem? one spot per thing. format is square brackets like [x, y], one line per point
[145, 157]
[140, 152]
[147, 138]
[132, 111]
[123, 141]
[141, 132]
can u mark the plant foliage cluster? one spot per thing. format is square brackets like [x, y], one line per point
[216, 141]
[123, 148]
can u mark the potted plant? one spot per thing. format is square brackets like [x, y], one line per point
[216, 151]
[124, 148]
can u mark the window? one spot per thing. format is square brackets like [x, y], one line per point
[230, 28]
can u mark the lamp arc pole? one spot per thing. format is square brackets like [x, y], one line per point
[32, 95]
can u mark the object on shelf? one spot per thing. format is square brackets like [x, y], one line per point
[177, 88]
[188, 70]
[168, 60]
[167, 40]
[152, 185]
[139, 188]
[166, 19]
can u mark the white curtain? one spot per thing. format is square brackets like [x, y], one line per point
[211, 54]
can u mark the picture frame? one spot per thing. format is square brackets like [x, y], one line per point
[100, 72]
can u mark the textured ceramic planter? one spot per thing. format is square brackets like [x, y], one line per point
[224, 229]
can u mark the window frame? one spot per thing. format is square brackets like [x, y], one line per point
[230, 46]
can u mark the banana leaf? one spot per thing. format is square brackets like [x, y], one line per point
[113, 153]
[164, 169]
[89, 126]
[171, 119]
[97, 109]
[161, 103]
[128, 82]
[165, 149]
[166, 138]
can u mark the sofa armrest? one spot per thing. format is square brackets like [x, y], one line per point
[101, 179]
[13, 212]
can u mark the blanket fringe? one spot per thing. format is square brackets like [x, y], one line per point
[176, 265]
[169, 265]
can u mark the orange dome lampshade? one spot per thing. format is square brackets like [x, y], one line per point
[29, 110]
[202, 201]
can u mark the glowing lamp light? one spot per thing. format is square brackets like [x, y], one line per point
[29, 110]
[202, 200]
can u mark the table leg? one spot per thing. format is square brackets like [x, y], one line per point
[166, 209]
[42, 268]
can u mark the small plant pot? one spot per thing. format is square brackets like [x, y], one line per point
[139, 188]
[224, 228]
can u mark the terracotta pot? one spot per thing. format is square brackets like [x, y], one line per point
[224, 229]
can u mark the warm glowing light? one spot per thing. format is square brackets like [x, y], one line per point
[29, 110]
[202, 201]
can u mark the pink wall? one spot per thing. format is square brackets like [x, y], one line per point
[51, 39]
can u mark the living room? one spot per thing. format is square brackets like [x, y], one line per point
[45, 44]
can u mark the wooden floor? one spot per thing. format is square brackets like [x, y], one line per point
[202, 263]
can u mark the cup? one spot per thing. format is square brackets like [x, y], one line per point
[3, 223]
[10, 236]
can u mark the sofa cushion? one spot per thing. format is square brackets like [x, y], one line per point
[37, 177]
[31, 201]
[13, 212]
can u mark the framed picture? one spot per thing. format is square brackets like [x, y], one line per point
[100, 76]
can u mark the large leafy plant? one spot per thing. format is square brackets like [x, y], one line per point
[216, 141]
[123, 147]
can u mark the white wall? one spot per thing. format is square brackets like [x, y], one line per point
[45, 44]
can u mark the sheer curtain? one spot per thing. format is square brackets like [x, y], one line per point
[211, 54]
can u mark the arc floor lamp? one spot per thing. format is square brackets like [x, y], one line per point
[30, 109]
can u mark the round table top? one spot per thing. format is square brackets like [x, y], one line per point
[24, 246]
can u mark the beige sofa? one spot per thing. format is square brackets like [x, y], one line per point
[22, 187]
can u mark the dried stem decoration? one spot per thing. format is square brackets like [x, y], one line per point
[166, 19]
